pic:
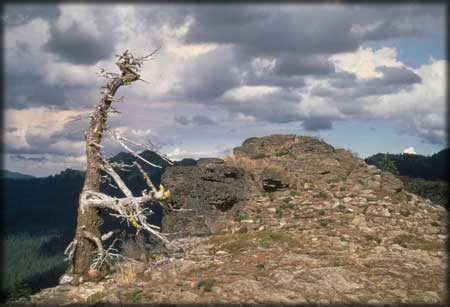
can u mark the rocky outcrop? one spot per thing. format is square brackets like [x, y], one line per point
[205, 193]
[292, 220]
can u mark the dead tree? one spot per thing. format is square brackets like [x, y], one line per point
[86, 254]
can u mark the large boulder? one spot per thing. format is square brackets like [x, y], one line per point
[205, 193]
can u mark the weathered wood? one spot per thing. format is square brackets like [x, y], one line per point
[84, 248]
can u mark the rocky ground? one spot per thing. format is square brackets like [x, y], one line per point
[287, 219]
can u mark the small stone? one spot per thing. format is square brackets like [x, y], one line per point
[65, 279]
[272, 209]
[219, 253]
[247, 221]
[347, 199]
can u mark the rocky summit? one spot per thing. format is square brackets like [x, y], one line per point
[286, 219]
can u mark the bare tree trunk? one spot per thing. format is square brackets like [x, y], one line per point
[89, 217]
[86, 254]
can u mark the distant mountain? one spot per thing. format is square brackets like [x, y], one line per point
[51, 202]
[14, 175]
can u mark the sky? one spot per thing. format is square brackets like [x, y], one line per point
[368, 78]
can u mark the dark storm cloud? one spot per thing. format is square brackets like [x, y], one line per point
[315, 124]
[200, 120]
[31, 159]
[270, 31]
[390, 29]
[294, 65]
[270, 79]
[182, 120]
[395, 76]
[273, 30]
[27, 90]
[346, 88]
[21, 13]
[77, 46]
[203, 120]
[278, 107]
[38, 141]
[207, 77]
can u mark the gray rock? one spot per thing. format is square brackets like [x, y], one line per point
[208, 190]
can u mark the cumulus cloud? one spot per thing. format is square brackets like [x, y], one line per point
[225, 67]
[409, 150]
[40, 131]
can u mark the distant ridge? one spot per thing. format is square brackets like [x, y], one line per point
[14, 175]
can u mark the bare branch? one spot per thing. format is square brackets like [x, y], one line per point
[109, 170]
[146, 177]
[119, 139]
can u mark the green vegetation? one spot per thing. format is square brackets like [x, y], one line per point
[206, 284]
[388, 165]
[138, 296]
[398, 197]
[433, 167]
[373, 238]
[28, 265]
[238, 242]
[287, 203]
[239, 216]
[96, 297]
[414, 242]
[324, 223]
[322, 195]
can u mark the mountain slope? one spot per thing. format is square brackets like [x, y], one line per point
[14, 175]
[312, 225]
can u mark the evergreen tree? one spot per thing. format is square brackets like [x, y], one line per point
[388, 165]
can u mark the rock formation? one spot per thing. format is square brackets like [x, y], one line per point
[288, 219]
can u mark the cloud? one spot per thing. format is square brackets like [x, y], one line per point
[199, 120]
[297, 65]
[78, 47]
[409, 150]
[31, 159]
[395, 76]
[317, 124]
[19, 14]
[182, 120]
[28, 90]
[271, 104]
[176, 153]
[41, 131]
[242, 68]
[207, 77]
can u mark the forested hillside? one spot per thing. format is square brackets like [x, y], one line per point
[426, 176]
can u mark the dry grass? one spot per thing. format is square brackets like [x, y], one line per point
[127, 273]
[237, 242]
[253, 164]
